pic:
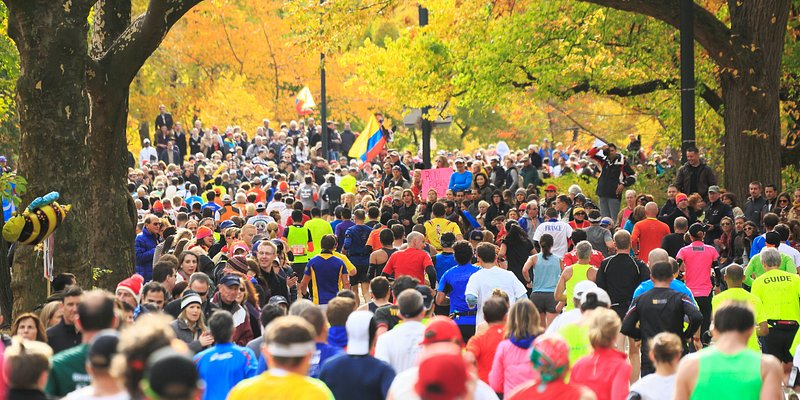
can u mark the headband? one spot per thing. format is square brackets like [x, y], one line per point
[291, 350]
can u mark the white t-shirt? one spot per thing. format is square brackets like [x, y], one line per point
[482, 283]
[399, 347]
[560, 231]
[655, 387]
[564, 319]
[87, 393]
[791, 252]
[403, 387]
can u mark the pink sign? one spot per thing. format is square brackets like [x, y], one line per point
[437, 179]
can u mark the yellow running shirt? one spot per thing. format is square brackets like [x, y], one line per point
[739, 294]
[436, 227]
[779, 292]
[280, 384]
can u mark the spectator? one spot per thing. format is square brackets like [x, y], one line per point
[190, 325]
[65, 335]
[225, 299]
[145, 246]
[616, 174]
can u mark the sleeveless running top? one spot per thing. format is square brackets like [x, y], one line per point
[728, 376]
[297, 239]
[545, 273]
[379, 267]
[372, 307]
[579, 273]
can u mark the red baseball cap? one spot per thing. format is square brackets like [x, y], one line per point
[442, 329]
[442, 376]
[551, 187]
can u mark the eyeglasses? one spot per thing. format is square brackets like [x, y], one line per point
[783, 201]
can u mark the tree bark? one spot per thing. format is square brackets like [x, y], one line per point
[53, 110]
[748, 55]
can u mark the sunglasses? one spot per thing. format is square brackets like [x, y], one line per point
[726, 224]
[201, 294]
[748, 228]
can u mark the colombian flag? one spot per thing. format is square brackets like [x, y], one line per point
[303, 103]
[369, 143]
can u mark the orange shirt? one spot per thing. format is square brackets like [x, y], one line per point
[374, 238]
[484, 345]
[261, 196]
[647, 234]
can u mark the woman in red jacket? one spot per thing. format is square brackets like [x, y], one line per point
[606, 371]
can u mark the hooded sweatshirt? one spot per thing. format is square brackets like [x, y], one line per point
[512, 365]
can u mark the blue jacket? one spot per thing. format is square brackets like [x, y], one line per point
[145, 246]
[223, 366]
[460, 182]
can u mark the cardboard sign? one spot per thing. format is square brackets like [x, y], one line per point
[437, 179]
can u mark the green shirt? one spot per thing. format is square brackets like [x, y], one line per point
[739, 294]
[580, 272]
[728, 376]
[318, 228]
[779, 291]
[755, 268]
[68, 372]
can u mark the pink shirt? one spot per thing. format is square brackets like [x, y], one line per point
[511, 368]
[697, 260]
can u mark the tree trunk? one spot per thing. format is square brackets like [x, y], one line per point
[751, 91]
[112, 247]
[53, 114]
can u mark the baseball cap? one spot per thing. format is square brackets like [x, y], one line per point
[773, 238]
[278, 299]
[442, 376]
[581, 287]
[696, 228]
[713, 189]
[358, 327]
[602, 295]
[170, 374]
[230, 280]
[102, 348]
[550, 187]
[427, 295]
[442, 329]
[594, 215]
[606, 221]
[578, 210]
[476, 235]
[459, 160]
[260, 206]
[226, 224]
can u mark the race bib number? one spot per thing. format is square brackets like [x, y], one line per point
[298, 249]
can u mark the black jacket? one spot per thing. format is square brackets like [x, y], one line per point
[714, 213]
[348, 138]
[620, 275]
[695, 179]
[163, 119]
[612, 174]
[62, 336]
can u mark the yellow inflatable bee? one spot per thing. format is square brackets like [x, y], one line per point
[42, 217]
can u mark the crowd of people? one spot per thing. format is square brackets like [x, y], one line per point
[267, 270]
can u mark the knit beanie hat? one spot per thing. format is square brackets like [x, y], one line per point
[238, 263]
[132, 285]
[204, 232]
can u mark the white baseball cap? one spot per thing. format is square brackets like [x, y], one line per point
[582, 287]
[358, 332]
[602, 295]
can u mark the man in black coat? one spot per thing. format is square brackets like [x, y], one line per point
[163, 119]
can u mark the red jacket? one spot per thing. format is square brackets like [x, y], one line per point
[607, 372]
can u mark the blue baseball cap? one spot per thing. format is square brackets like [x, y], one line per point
[230, 280]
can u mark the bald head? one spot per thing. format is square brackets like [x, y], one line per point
[651, 209]
[734, 275]
[657, 256]
[416, 240]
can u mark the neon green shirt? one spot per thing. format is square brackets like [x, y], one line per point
[348, 183]
[779, 292]
[319, 228]
[739, 294]
[755, 268]
[579, 273]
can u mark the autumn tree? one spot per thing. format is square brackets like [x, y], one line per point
[72, 96]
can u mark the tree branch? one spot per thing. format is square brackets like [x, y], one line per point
[626, 91]
[711, 97]
[230, 44]
[709, 31]
[111, 18]
[131, 49]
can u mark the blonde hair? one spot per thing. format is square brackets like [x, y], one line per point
[48, 311]
[604, 327]
[26, 361]
[523, 320]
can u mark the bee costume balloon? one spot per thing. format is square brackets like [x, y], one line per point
[42, 217]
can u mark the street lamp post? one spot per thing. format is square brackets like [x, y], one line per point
[426, 125]
[323, 104]
[687, 76]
